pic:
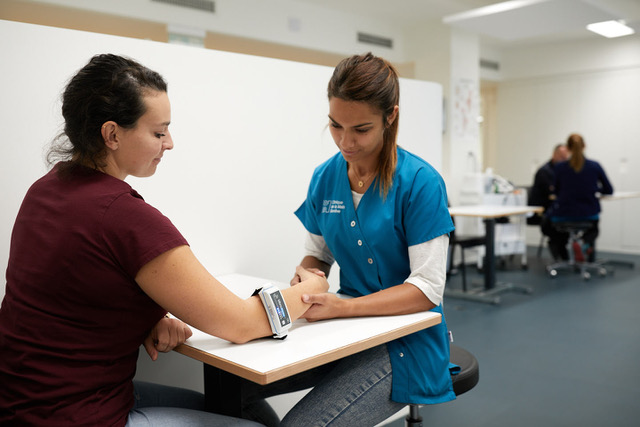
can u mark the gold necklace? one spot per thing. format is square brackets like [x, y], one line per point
[361, 181]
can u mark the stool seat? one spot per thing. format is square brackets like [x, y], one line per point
[575, 229]
[469, 374]
[464, 381]
[575, 226]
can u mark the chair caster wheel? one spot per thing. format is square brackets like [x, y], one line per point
[586, 275]
[602, 272]
[553, 273]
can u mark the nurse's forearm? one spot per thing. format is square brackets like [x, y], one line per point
[400, 299]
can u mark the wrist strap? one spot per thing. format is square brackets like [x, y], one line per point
[274, 336]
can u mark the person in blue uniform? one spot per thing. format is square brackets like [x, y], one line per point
[578, 182]
[381, 213]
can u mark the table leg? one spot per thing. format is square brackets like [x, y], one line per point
[489, 257]
[489, 293]
[222, 391]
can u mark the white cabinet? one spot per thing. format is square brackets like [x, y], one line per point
[511, 235]
[510, 232]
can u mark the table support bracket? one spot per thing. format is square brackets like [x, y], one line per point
[222, 391]
[489, 296]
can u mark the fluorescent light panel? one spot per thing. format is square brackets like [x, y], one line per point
[610, 29]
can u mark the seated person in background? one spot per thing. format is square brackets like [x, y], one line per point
[541, 194]
[577, 185]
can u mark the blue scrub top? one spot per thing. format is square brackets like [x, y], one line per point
[371, 248]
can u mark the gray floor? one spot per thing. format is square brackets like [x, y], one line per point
[566, 355]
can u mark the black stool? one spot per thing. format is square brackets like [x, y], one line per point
[576, 229]
[464, 381]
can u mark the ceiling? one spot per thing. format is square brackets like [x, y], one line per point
[500, 22]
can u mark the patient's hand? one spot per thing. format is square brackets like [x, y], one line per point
[166, 335]
[296, 277]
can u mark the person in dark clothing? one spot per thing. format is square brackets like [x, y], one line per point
[577, 186]
[541, 195]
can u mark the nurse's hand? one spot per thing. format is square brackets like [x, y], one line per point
[297, 279]
[325, 306]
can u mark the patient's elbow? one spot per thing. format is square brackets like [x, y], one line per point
[244, 335]
[240, 340]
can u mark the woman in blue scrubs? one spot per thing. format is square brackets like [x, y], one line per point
[381, 213]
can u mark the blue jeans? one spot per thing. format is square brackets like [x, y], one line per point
[158, 406]
[354, 391]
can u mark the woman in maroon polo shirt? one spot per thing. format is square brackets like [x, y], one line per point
[93, 269]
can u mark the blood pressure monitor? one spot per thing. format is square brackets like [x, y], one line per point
[276, 310]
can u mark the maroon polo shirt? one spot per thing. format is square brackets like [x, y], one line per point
[73, 317]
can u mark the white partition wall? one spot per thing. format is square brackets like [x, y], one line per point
[248, 132]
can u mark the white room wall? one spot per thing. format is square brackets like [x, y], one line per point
[571, 57]
[463, 110]
[589, 87]
[248, 132]
[286, 22]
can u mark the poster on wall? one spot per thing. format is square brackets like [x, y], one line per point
[465, 110]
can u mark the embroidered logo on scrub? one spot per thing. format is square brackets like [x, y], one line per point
[332, 206]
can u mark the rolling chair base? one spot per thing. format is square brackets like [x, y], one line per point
[585, 268]
[577, 260]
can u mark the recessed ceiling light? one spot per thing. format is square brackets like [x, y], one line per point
[610, 29]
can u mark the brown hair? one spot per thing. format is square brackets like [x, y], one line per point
[373, 80]
[108, 87]
[575, 144]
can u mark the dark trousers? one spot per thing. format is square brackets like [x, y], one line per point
[558, 240]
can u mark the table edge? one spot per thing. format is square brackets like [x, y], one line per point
[309, 363]
[515, 211]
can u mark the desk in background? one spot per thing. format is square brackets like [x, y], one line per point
[489, 213]
[620, 195]
[308, 345]
[510, 235]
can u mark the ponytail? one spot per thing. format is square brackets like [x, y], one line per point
[575, 143]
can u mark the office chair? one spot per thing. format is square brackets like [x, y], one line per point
[577, 260]
[541, 245]
[464, 242]
[464, 381]
[535, 220]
